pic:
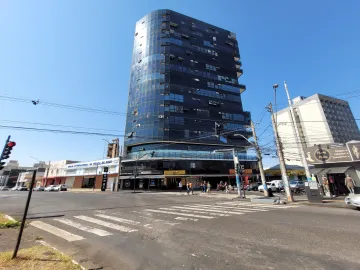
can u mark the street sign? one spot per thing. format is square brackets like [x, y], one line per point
[104, 182]
[223, 139]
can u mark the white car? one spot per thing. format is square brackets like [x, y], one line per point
[60, 188]
[269, 185]
[353, 200]
[50, 188]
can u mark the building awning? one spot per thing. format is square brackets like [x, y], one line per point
[316, 170]
[338, 170]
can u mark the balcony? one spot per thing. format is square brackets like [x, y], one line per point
[185, 155]
[239, 72]
[242, 88]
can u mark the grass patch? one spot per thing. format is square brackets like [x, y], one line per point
[6, 223]
[37, 257]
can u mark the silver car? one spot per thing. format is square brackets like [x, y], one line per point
[353, 200]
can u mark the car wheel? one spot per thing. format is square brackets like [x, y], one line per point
[358, 208]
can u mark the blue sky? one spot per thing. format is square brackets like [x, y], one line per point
[79, 53]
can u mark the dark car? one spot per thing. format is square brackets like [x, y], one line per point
[253, 186]
[23, 189]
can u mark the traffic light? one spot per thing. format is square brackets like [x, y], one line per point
[6, 152]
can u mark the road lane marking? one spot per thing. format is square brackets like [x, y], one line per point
[208, 210]
[193, 210]
[267, 205]
[186, 218]
[106, 224]
[81, 227]
[178, 214]
[242, 209]
[121, 220]
[56, 231]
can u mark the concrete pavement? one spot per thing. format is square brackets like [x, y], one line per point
[138, 231]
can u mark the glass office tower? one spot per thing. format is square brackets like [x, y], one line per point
[184, 83]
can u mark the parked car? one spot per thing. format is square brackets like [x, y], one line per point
[353, 200]
[3, 188]
[15, 188]
[269, 185]
[60, 188]
[39, 188]
[23, 188]
[50, 188]
[297, 184]
[279, 184]
[253, 186]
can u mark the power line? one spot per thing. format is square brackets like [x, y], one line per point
[59, 105]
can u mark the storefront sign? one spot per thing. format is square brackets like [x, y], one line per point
[180, 172]
[354, 149]
[97, 163]
[104, 182]
[327, 154]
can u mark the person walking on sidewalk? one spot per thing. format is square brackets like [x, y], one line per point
[180, 186]
[349, 182]
[208, 187]
[189, 188]
[204, 187]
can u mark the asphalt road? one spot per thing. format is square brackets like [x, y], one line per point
[168, 231]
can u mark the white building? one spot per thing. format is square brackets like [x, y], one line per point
[321, 120]
[55, 173]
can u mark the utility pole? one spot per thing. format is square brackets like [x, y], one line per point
[281, 156]
[24, 216]
[298, 140]
[237, 168]
[259, 156]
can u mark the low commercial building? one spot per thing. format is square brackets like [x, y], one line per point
[335, 162]
[55, 174]
[89, 175]
[294, 172]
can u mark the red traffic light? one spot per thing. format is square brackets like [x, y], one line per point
[11, 144]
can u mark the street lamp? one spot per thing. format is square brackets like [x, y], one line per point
[275, 105]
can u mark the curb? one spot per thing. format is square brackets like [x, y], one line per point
[9, 218]
[44, 243]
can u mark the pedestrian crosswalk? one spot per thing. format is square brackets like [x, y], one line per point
[147, 220]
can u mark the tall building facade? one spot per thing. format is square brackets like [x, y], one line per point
[321, 120]
[184, 80]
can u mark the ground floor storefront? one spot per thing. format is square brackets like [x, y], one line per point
[335, 175]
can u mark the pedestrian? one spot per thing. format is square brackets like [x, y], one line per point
[204, 187]
[349, 182]
[180, 186]
[325, 183]
[208, 187]
[226, 187]
[190, 188]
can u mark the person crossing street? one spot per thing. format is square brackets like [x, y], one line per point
[189, 188]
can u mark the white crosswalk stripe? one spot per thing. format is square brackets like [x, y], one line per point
[178, 214]
[243, 209]
[82, 227]
[209, 210]
[56, 231]
[247, 204]
[194, 210]
[106, 224]
[186, 218]
[121, 220]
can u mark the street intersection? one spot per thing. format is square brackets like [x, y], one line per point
[163, 231]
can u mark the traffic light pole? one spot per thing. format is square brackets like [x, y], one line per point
[24, 216]
[238, 181]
